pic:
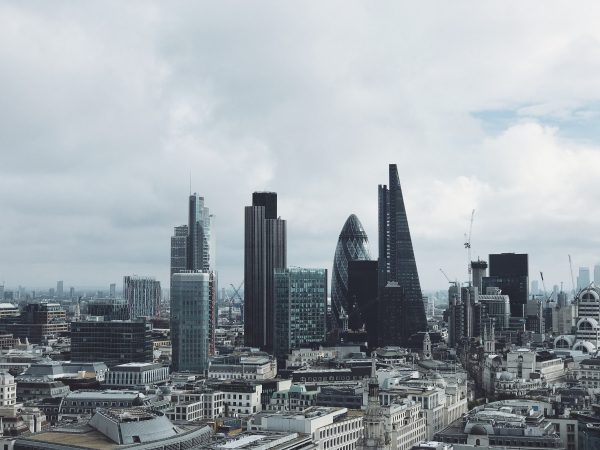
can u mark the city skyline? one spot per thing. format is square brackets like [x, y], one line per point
[97, 147]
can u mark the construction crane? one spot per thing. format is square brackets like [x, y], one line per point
[544, 287]
[448, 278]
[468, 246]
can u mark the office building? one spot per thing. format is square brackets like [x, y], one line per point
[264, 251]
[142, 295]
[300, 308]
[510, 273]
[597, 274]
[497, 307]
[112, 290]
[109, 308]
[38, 322]
[352, 245]
[200, 254]
[192, 320]
[136, 375]
[583, 279]
[179, 249]
[397, 265]
[243, 365]
[114, 342]
[479, 271]
[362, 297]
[59, 289]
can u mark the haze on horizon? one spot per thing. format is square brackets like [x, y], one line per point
[108, 106]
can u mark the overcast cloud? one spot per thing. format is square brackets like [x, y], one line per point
[105, 108]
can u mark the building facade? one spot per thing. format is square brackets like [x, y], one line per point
[142, 295]
[265, 249]
[397, 265]
[352, 245]
[192, 319]
[300, 308]
[510, 273]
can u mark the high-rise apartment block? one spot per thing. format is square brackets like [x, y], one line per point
[352, 245]
[264, 251]
[192, 320]
[397, 268]
[300, 308]
[142, 295]
[510, 273]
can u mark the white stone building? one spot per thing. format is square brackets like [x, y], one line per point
[133, 374]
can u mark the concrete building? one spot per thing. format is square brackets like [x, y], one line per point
[36, 388]
[135, 375]
[527, 364]
[244, 365]
[119, 428]
[329, 428]
[196, 405]
[86, 402]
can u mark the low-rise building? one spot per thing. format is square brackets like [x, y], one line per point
[86, 402]
[296, 398]
[330, 428]
[31, 388]
[247, 366]
[212, 405]
[130, 375]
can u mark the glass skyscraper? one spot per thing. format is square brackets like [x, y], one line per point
[191, 297]
[402, 306]
[352, 245]
[300, 308]
[265, 249]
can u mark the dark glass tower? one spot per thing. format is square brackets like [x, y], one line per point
[362, 297]
[352, 245]
[402, 306]
[264, 251]
[510, 273]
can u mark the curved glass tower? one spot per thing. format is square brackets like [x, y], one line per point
[352, 245]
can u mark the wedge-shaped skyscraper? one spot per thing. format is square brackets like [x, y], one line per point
[352, 245]
[400, 297]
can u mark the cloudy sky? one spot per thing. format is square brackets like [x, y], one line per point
[105, 108]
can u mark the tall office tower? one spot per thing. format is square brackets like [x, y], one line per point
[583, 279]
[71, 292]
[362, 298]
[199, 253]
[142, 295]
[352, 245]
[59, 289]
[510, 273]
[1, 292]
[397, 265]
[300, 308]
[535, 287]
[597, 274]
[265, 250]
[479, 270]
[112, 290]
[179, 249]
[191, 321]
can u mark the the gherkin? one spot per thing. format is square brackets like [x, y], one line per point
[352, 245]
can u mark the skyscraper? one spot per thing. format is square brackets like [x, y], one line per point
[597, 274]
[199, 252]
[583, 279]
[510, 273]
[59, 289]
[362, 297]
[397, 265]
[352, 245]
[191, 322]
[112, 290]
[264, 251]
[179, 249]
[300, 308]
[142, 295]
[193, 253]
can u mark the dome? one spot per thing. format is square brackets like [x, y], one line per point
[478, 430]
[352, 245]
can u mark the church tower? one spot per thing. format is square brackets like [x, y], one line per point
[489, 340]
[426, 347]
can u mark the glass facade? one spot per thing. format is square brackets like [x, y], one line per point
[191, 320]
[300, 308]
[353, 245]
